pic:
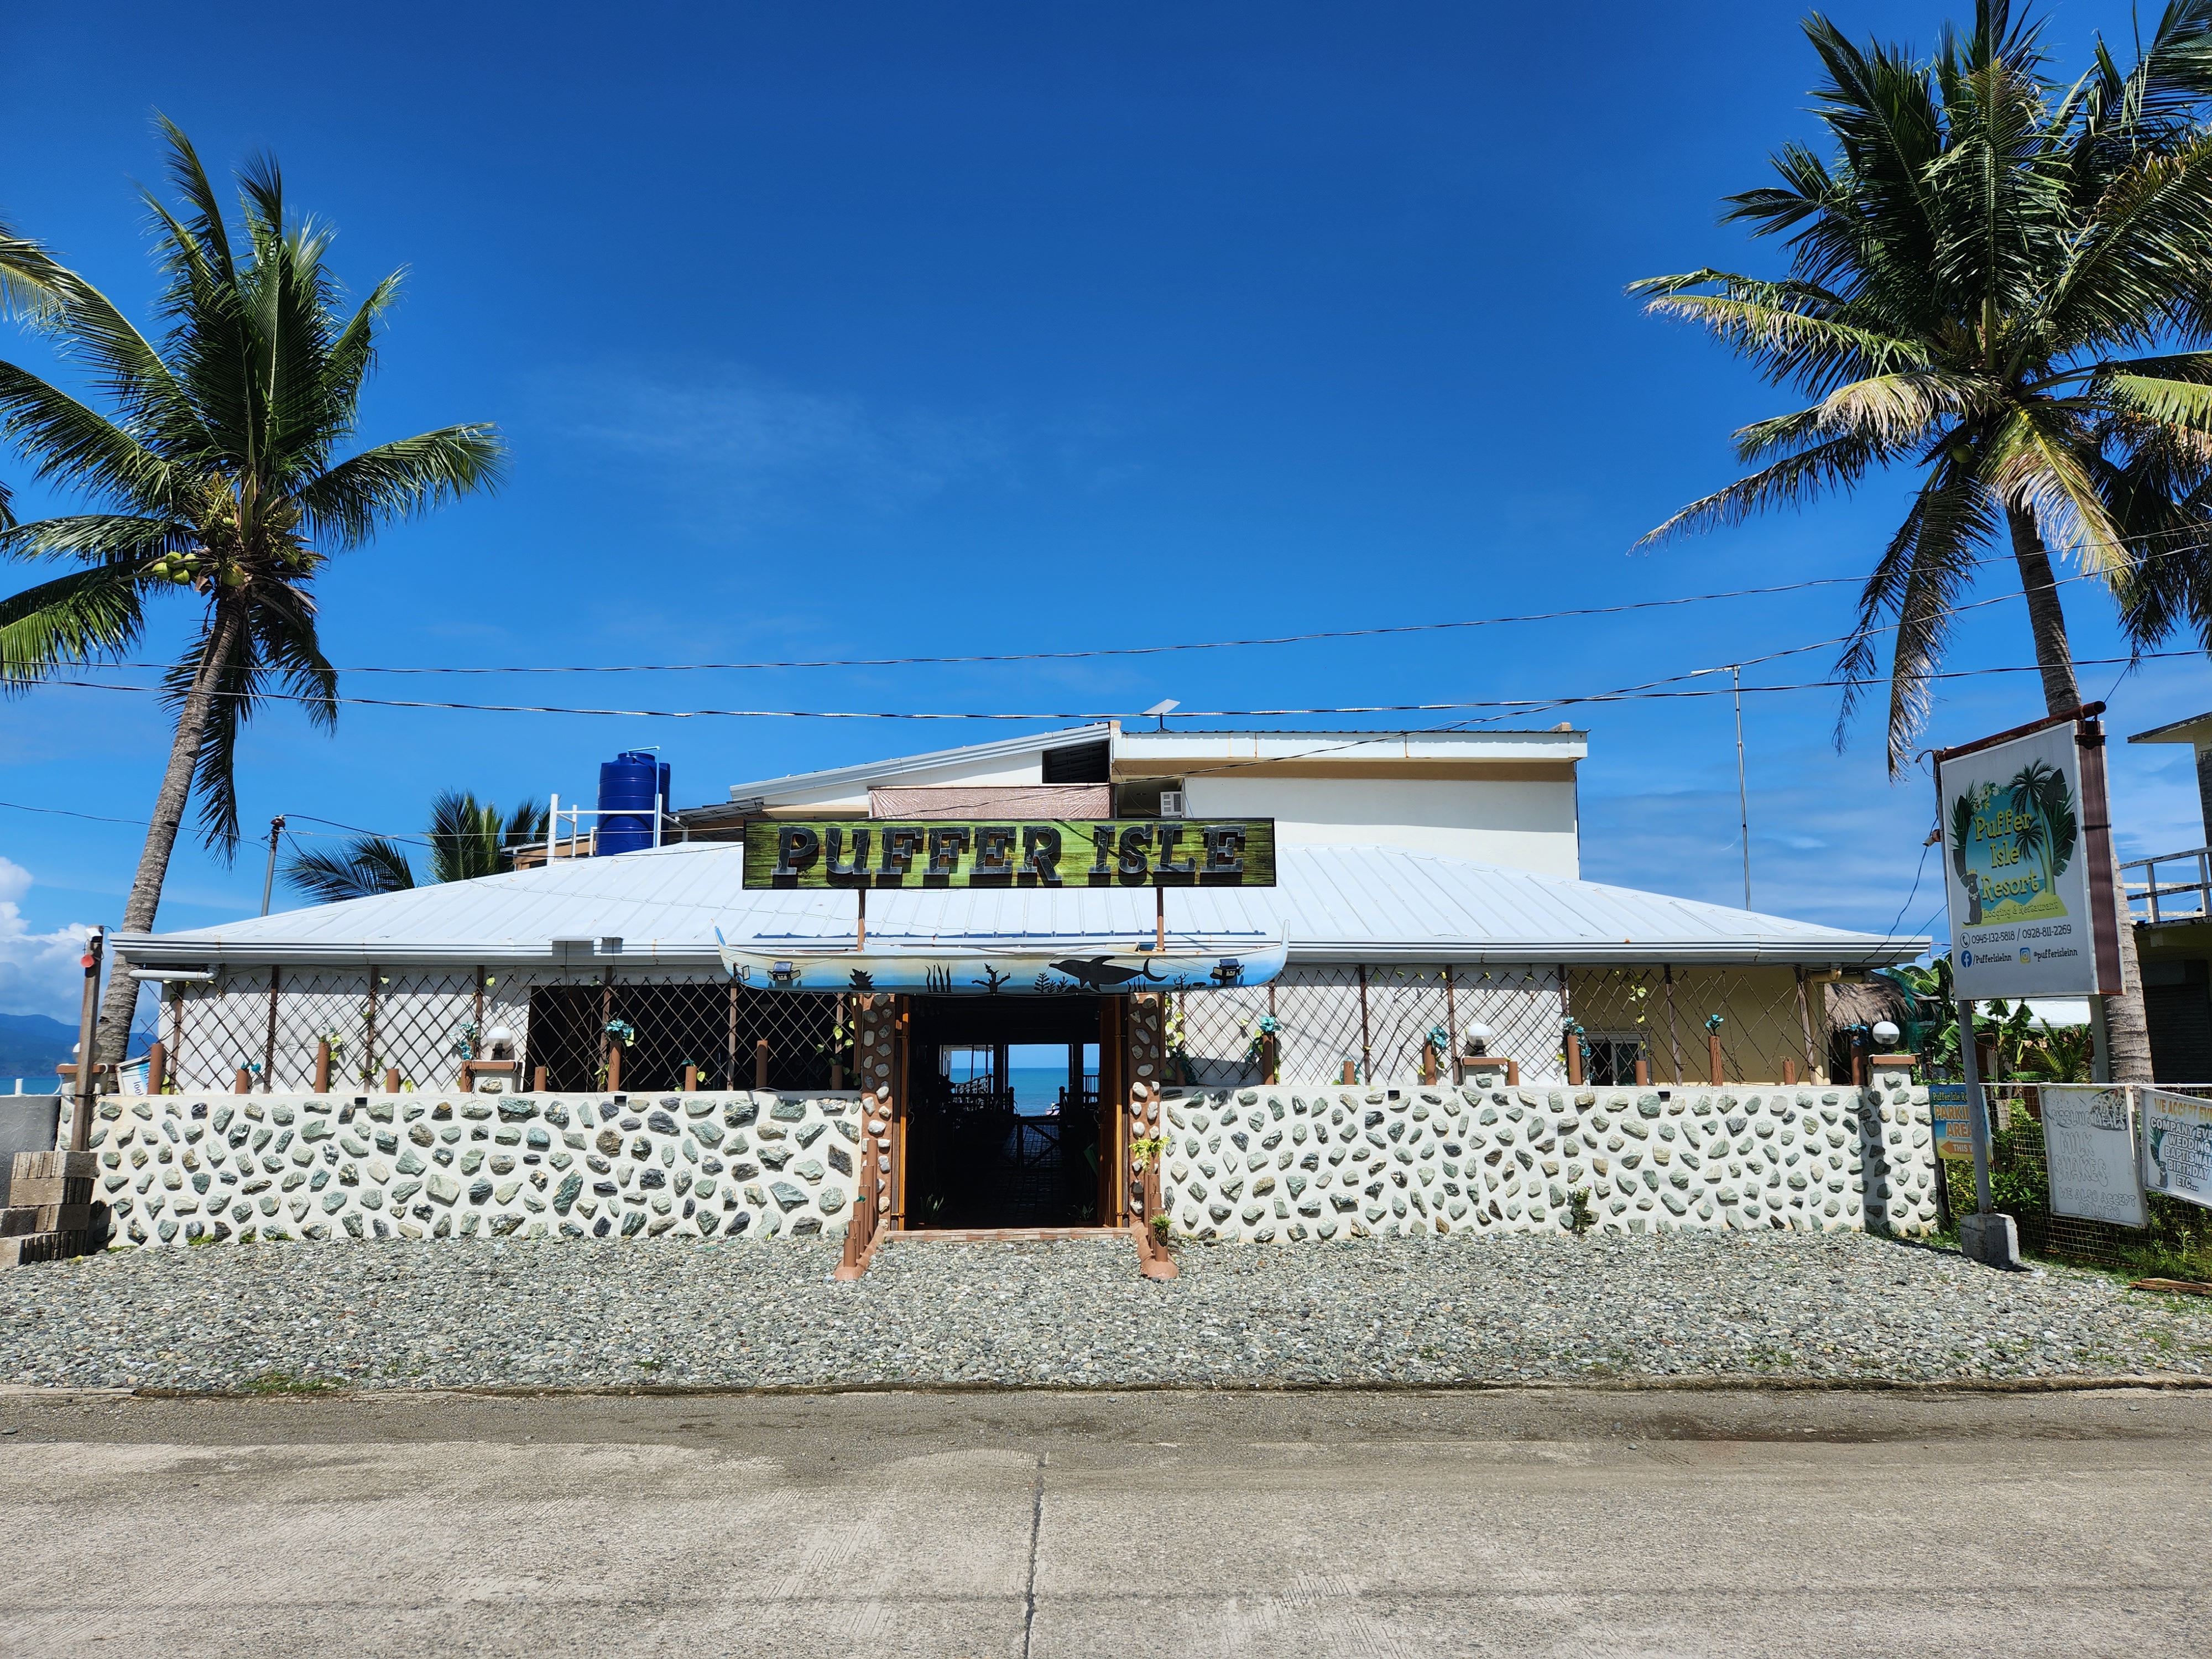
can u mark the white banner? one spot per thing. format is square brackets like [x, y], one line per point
[2178, 1145]
[2016, 869]
[2089, 1149]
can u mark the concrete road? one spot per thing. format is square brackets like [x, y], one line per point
[1059, 1525]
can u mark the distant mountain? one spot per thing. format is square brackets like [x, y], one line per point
[31, 1045]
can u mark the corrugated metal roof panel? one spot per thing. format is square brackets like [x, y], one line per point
[1339, 903]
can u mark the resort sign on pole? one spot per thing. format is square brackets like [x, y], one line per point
[2027, 873]
[919, 855]
[2027, 864]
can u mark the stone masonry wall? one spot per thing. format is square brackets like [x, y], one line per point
[178, 1168]
[1325, 1161]
[1282, 1163]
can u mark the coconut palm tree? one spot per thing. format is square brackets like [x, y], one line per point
[2001, 286]
[213, 474]
[467, 839]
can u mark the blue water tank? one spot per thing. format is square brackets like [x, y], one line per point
[627, 784]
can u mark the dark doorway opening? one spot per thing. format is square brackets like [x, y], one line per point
[1003, 1112]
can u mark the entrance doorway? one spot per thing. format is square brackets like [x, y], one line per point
[1003, 1118]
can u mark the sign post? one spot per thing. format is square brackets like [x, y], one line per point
[2028, 877]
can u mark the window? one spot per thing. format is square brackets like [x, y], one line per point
[1611, 1059]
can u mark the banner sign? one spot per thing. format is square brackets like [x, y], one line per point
[919, 854]
[2027, 865]
[1948, 1110]
[2178, 1145]
[2089, 1149]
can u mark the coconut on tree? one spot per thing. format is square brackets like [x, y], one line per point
[2000, 287]
[215, 473]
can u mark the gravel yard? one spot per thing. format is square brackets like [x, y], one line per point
[1516, 1308]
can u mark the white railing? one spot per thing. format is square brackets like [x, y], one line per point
[578, 844]
[2168, 900]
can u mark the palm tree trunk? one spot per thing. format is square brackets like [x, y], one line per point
[113, 1039]
[2127, 1031]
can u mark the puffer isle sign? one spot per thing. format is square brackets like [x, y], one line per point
[2027, 858]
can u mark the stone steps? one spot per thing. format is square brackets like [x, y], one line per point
[50, 1214]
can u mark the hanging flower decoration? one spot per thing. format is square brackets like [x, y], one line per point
[1268, 1026]
[1714, 1021]
[465, 1042]
[622, 1032]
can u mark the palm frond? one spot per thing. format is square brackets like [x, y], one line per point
[362, 869]
[1791, 482]
[31, 281]
[403, 478]
[94, 538]
[73, 447]
[77, 618]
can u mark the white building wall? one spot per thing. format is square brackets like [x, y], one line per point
[1520, 825]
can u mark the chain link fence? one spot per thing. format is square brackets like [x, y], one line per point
[2179, 1237]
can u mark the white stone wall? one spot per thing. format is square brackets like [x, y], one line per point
[1325, 1161]
[180, 1168]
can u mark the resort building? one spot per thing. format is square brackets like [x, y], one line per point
[1376, 921]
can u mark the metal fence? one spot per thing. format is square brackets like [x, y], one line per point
[423, 1024]
[1379, 1019]
[2019, 1182]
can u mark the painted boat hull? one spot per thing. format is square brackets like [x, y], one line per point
[1008, 973]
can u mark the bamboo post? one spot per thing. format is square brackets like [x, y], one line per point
[691, 1080]
[268, 1049]
[730, 1066]
[1643, 1072]
[323, 1067]
[1573, 1042]
[1673, 1032]
[537, 1083]
[1789, 1072]
[1366, 1053]
[1512, 1073]
[177, 1028]
[760, 1062]
[1451, 1023]
[1805, 1023]
[1349, 1066]
[1713, 1055]
[391, 1079]
[157, 1069]
[1429, 1063]
[241, 1081]
[614, 1067]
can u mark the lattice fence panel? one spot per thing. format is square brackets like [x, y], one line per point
[1624, 1011]
[1317, 1009]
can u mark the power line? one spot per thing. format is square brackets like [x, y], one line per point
[1522, 704]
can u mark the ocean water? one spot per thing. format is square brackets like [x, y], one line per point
[1037, 1089]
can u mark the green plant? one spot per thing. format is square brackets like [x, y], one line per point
[1580, 1217]
[1161, 1226]
[1143, 1149]
[215, 473]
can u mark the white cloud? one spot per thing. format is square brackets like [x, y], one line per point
[39, 972]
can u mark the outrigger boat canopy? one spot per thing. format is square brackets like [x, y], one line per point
[1188, 965]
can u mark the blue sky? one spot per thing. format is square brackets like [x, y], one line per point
[876, 330]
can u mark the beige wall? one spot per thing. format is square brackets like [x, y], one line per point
[1761, 1028]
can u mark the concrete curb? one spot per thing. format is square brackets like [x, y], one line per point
[2160, 1382]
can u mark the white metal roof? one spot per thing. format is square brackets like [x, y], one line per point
[1353, 903]
[1181, 748]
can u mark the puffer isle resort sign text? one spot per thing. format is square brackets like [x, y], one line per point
[917, 854]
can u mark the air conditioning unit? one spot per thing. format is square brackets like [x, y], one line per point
[1170, 803]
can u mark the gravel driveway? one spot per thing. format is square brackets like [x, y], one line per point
[670, 1311]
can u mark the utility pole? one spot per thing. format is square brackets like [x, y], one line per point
[1742, 800]
[88, 1076]
[276, 828]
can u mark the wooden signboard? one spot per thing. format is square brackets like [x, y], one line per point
[919, 854]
